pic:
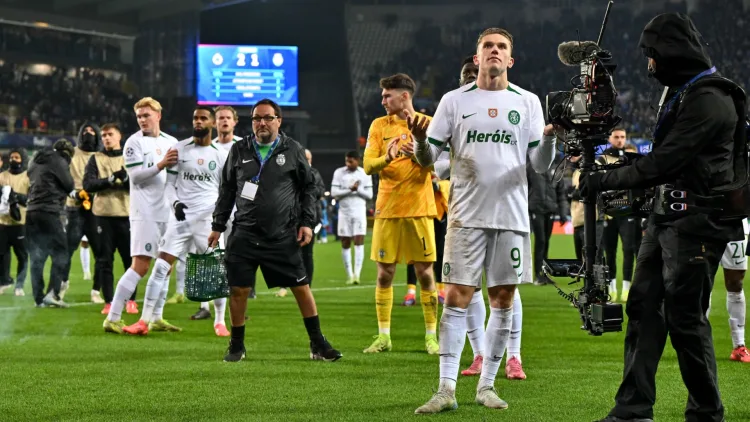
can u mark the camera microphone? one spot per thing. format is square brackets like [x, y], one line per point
[572, 53]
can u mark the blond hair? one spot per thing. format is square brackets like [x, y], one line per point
[148, 102]
[229, 108]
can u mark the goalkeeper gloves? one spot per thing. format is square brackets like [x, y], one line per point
[179, 210]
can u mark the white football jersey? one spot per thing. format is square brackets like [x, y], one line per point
[147, 201]
[227, 146]
[351, 203]
[490, 133]
[196, 177]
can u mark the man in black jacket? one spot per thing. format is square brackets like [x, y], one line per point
[547, 199]
[50, 184]
[680, 253]
[269, 179]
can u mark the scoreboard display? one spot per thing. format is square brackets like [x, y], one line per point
[241, 75]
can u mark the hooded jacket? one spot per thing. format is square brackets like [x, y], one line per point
[286, 195]
[83, 153]
[49, 182]
[693, 142]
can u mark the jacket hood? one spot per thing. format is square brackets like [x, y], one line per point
[45, 156]
[24, 157]
[673, 41]
[99, 145]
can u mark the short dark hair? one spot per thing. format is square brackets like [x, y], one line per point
[204, 108]
[468, 60]
[352, 154]
[619, 128]
[499, 31]
[111, 126]
[399, 81]
[269, 102]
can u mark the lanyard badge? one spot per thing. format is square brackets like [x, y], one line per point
[262, 161]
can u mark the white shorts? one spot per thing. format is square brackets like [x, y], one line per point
[145, 236]
[504, 256]
[185, 236]
[734, 256]
[351, 225]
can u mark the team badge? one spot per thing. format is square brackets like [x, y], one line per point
[381, 253]
[158, 151]
[148, 247]
[129, 152]
[163, 241]
[492, 112]
[403, 136]
[200, 161]
[212, 165]
[514, 117]
[446, 268]
[280, 159]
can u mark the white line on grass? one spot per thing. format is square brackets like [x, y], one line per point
[268, 293]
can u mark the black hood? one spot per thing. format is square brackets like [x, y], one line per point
[24, 157]
[44, 156]
[89, 148]
[673, 41]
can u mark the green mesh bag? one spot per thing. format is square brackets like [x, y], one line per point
[205, 276]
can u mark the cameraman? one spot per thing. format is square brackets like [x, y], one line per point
[694, 146]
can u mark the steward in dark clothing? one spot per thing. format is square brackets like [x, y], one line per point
[696, 150]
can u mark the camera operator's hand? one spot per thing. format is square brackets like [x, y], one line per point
[590, 183]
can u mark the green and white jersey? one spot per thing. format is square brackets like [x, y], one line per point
[147, 201]
[227, 146]
[490, 134]
[196, 177]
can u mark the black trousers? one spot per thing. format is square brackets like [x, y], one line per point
[13, 237]
[115, 235]
[670, 295]
[307, 259]
[441, 228]
[578, 238]
[80, 223]
[541, 227]
[45, 237]
[625, 228]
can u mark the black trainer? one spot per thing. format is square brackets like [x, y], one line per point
[324, 351]
[201, 314]
[234, 354]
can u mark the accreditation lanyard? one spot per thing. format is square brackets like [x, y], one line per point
[263, 161]
[677, 94]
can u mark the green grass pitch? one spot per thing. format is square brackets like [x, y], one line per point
[60, 365]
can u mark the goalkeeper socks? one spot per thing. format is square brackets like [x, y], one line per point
[238, 338]
[179, 269]
[85, 259]
[736, 310]
[220, 306]
[312, 325]
[452, 339]
[347, 256]
[475, 317]
[514, 342]
[125, 288]
[383, 307]
[429, 309]
[154, 287]
[359, 259]
[498, 332]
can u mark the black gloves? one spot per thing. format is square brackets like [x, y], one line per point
[179, 210]
[590, 183]
[15, 212]
[121, 174]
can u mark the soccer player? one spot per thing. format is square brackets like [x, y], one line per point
[404, 211]
[192, 189]
[352, 187]
[491, 127]
[734, 262]
[147, 153]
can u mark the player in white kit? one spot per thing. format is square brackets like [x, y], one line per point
[192, 189]
[734, 262]
[491, 127]
[147, 154]
[352, 188]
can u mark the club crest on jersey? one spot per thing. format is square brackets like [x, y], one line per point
[403, 136]
[514, 117]
[212, 165]
[148, 247]
[492, 112]
[200, 161]
[280, 159]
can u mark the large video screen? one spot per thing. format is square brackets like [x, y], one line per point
[241, 75]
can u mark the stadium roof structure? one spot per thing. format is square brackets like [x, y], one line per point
[118, 17]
